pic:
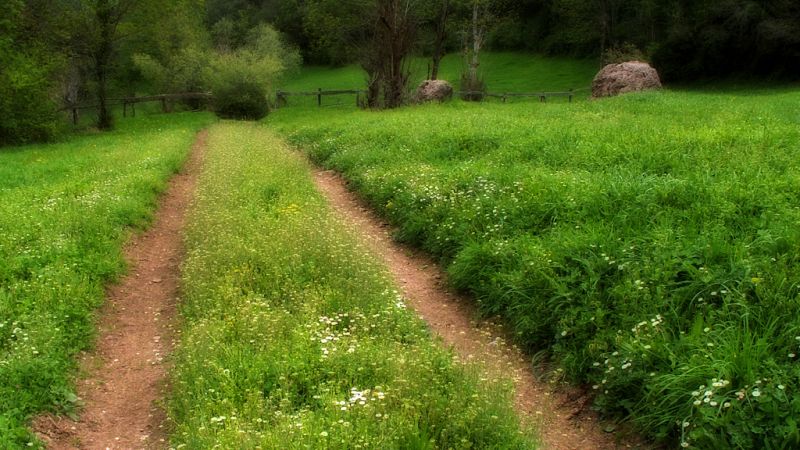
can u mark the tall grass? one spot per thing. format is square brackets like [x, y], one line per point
[293, 335]
[65, 211]
[649, 242]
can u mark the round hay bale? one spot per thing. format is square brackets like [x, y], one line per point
[631, 76]
[434, 91]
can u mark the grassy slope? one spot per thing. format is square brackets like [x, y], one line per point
[294, 338]
[64, 214]
[504, 72]
[649, 242]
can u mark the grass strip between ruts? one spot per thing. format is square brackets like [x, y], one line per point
[293, 335]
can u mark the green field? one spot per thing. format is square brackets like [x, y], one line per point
[649, 244]
[294, 338]
[65, 211]
[503, 72]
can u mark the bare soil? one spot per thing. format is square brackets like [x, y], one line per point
[561, 414]
[126, 373]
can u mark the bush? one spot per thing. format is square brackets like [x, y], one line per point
[27, 113]
[241, 100]
[241, 80]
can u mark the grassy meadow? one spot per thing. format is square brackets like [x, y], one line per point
[649, 244]
[294, 337]
[502, 72]
[65, 211]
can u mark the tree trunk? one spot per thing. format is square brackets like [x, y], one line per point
[441, 35]
[385, 60]
[103, 52]
[477, 42]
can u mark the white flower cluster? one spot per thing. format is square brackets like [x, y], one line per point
[360, 398]
[333, 330]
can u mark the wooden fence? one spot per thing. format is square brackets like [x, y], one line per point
[165, 99]
[282, 97]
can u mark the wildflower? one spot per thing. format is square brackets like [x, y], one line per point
[324, 434]
[756, 393]
[781, 387]
[792, 355]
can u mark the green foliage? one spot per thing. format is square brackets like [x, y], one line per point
[65, 212]
[170, 48]
[293, 337]
[651, 253]
[242, 80]
[27, 112]
[240, 99]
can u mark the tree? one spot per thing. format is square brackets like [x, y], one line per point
[474, 41]
[385, 61]
[102, 19]
[30, 60]
[441, 37]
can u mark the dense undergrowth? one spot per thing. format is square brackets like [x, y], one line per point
[65, 211]
[650, 243]
[294, 338]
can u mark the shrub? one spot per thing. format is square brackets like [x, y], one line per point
[241, 80]
[241, 99]
[27, 114]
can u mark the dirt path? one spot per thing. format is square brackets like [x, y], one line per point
[564, 420]
[127, 371]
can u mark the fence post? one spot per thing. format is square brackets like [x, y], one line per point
[319, 97]
[133, 109]
[164, 104]
[570, 95]
[124, 108]
[75, 116]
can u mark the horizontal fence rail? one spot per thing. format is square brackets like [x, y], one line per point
[282, 97]
[132, 101]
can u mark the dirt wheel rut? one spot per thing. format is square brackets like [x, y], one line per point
[126, 373]
[564, 421]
